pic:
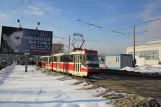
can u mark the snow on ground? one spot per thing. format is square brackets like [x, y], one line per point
[33, 88]
[158, 66]
[144, 69]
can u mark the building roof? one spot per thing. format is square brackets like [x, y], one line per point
[153, 42]
[118, 54]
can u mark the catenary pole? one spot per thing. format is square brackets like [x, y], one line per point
[69, 45]
[134, 60]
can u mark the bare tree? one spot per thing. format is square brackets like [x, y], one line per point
[57, 48]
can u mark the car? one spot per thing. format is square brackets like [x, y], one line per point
[102, 65]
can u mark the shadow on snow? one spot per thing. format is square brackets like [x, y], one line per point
[52, 101]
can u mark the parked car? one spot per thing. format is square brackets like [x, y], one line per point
[102, 65]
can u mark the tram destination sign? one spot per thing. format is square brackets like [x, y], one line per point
[20, 41]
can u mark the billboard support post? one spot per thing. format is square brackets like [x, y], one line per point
[26, 60]
[52, 62]
[7, 60]
[26, 63]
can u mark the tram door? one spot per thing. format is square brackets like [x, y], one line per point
[48, 62]
[57, 63]
[77, 63]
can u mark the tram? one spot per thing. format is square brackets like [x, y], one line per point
[79, 63]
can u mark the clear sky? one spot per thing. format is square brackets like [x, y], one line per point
[61, 17]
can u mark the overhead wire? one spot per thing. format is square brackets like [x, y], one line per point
[60, 37]
[124, 27]
[14, 8]
[22, 8]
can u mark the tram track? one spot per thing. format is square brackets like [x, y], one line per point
[130, 84]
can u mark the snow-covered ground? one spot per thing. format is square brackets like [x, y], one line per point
[145, 69]
[34, 88]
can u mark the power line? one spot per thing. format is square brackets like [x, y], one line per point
[12, 9]
[22, 8]
[60, 37]
[119, 32]
[81, 2]
[87, 40]
[143, 22]
[89, 23]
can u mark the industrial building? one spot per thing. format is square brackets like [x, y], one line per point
[148, 53]
[118, 61]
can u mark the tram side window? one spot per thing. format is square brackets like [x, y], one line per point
[50, 59]
[70, 58]
[82, 59]
[55, 59]
[46, 59]
[66, 58]
[61, 58]
[42, 59]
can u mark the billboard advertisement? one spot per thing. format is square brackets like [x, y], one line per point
[21, 40]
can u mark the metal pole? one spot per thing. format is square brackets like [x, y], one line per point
[69, 44]
[7, 59]
[26, 62]
[52, 62]
[134, 61]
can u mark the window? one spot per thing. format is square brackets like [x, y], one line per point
[92, 58]
[66, 58]
[148, 55]
[82, 59]
[61, 59]
[50, 59]
[55, 58]
[70, 58]
[117, 59]
[45, 59]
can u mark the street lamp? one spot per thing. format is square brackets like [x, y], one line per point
[19, 23]
[37, 25]
[134, 60]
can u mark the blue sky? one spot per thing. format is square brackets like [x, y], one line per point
[61, 16]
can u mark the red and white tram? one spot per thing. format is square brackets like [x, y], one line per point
[79, 63]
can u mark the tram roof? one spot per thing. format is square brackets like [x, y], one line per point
[43, 56]
[59, 54]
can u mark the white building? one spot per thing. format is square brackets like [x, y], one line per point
[118, 61]
[148, 53]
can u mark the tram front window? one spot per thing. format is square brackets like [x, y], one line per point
[92, 61]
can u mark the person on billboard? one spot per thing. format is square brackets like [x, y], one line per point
[11, 39]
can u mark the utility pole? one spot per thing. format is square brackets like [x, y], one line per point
[144, 22]
[69, 45]
[134, 60]
[26, 62]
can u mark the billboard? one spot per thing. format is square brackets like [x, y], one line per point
[21, 40]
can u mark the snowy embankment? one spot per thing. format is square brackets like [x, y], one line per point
[6, 71]
[34, 88]
[145, 69]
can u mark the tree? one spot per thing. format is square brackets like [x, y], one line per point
[57, 48]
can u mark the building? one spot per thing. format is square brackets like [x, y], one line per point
[118, 61]
[148, 53]
[57, 48]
